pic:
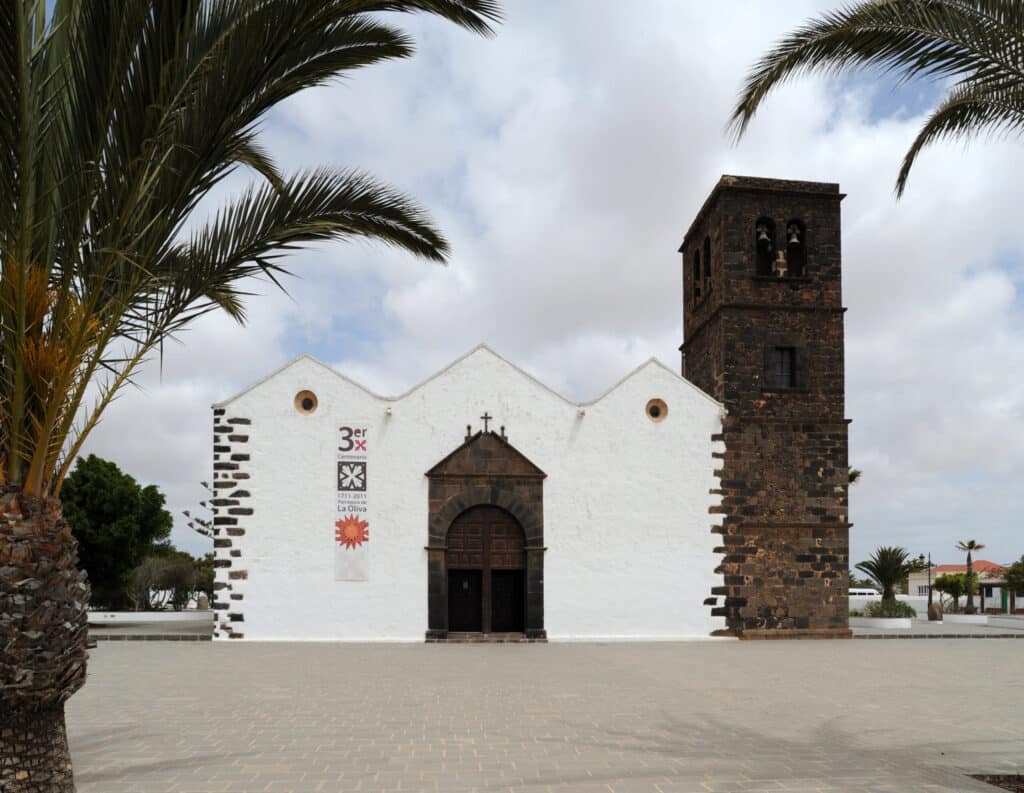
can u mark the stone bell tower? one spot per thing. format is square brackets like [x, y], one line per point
[763, 325]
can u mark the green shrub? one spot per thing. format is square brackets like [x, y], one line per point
[856, 613]
[895, 608]
[954, 585]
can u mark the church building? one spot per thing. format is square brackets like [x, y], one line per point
[483, 505]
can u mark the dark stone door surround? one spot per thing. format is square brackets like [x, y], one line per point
[485, 470]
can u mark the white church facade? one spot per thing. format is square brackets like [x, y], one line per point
[482, 504]
[327, 526]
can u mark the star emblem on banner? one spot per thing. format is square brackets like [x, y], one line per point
[351, 532]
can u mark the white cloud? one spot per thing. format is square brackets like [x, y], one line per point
[565, 159]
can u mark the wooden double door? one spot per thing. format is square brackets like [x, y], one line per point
[486, 564]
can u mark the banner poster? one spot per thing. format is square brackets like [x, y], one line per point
[352, 525]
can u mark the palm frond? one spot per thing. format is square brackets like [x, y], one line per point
[249, 152]
[887, 566]
[474, 15]
[930, 38]
[10, 112]
[979, 44]
[116, 120]
[966, 112]
[249, 236]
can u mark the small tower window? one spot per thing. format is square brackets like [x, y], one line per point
[696, 275]
[796, 248]
[707, 265]
[764, 242]
[782, 367]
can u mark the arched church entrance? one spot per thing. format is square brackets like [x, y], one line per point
[486, 562]
[485, 542]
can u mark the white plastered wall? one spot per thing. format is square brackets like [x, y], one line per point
[626, 501]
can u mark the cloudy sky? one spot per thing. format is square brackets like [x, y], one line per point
[564, 159]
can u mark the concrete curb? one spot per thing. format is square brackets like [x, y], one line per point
[196, 637]
[149, 637]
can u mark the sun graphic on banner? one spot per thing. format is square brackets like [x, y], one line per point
[351, 531]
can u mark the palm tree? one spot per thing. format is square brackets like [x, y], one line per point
[977, 45]
[116, 119]
[969, 546]
[887, 567]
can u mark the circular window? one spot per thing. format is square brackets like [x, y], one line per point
[305, 402]
[657, 410]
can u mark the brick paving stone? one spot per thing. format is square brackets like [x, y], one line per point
[700, 717]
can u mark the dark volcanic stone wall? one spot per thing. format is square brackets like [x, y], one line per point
[785, 528]
[231, 505]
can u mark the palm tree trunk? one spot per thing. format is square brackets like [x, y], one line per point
[35, 756]
[970, 590]
[43, 613]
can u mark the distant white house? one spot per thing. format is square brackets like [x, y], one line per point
[992, 596]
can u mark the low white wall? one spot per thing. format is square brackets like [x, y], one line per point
[114, 617]
[920, 604]
[967, 619]
[859, 603]
[885, 624]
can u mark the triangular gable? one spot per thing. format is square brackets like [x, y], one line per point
[479, 348]
[486, 453]
[305, 357]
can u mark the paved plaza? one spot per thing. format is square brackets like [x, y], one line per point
[893, 716]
